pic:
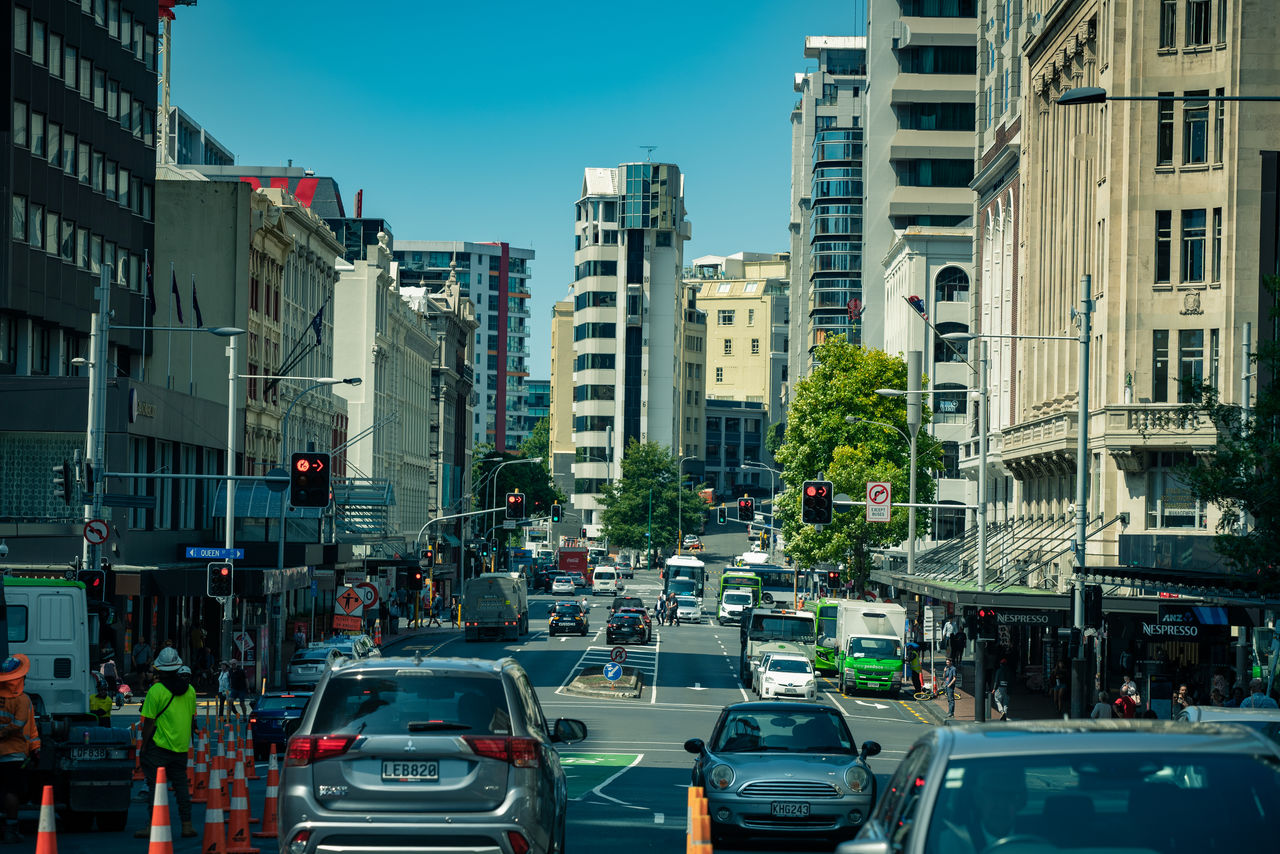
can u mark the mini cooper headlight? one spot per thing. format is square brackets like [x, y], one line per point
[858, 779]
[720, 777]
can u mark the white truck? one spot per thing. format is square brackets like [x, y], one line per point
[774, 630]
[869, 646]
[495, 606]
[90, 767]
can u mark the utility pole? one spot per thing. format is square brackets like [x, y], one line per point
[95, 446]
[1082, 495]
[914, 417]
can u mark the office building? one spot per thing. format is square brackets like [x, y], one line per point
[630, 316]
[538, 404]
[496, 278]
[193, 145]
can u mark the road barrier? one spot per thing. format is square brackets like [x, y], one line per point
[270, 805]
[161, 829]
[698, 825]
[215, 831]
[47, 835]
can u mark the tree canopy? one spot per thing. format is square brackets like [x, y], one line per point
[533, 479]
[649, 468]
[819, 440]
[539, 442]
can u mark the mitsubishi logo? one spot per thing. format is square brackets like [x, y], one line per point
[409, 748]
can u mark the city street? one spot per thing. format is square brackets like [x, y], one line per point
[628, 779]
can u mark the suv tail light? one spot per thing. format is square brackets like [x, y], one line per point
[519, 844]
[518, 751]
[305, 749]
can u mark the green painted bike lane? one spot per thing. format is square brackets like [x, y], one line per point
[585, 771]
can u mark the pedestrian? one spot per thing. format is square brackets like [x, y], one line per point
[300, 638]
[917, 669]
[1125, 706]
[956, 642]
[141, 659]
[1000, 693]
[949, 686]
[110, 673]
[456, 612]
[1102, 710]
[224, 687]
[661, 609]
[437, 608]
[1059, 683]
[1127, 685]
[1257, 699]
[100, 702]
[19, 741]
[168, 717]
[673, 611]
[1236, 698]
[239, 683]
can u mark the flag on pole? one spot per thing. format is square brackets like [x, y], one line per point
[317, 325]
[195, 304]
[151, 289]
[177, 298]
[918, 304]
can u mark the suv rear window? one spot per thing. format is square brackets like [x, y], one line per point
[277, 704]
[418, 700]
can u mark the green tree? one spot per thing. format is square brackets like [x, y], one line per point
[539, 443]
[819, 440]
[649, 469]
[1241, 473]
[531, 479]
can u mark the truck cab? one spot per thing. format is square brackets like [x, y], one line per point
[869, 646]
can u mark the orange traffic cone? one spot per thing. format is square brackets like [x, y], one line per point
[47, 835]
[215, 791]
[238, 836]
[215, 831]
[224, 762]
[249, 755]
[377, 633]
[200, 778]
[161, 830]
[240, 784]
[269, 807]
[136, 729]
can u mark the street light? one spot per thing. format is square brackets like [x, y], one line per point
[317, 382]
[773, 497]
[492, 480]
[680, 503]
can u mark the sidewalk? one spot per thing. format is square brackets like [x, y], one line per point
[1024, 705]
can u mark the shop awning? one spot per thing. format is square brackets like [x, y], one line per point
[254, 500]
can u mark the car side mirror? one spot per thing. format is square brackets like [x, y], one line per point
[869, 749]
[569, 730]
[828, 643]
[695, 746]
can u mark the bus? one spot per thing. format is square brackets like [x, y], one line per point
[736, 578]
[826, 658]
[777, 584]
[689, 568]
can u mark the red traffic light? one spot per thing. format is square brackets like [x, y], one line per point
[811, 490]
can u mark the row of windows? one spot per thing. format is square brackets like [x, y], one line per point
[595, 299]
[1198, 23]
[728, 348]
[1195, 129]
[594, 330]
[1197, 366]
[596, 268]
[591, 454]
[60, 237]
[938, 60]
[926, 172]
[595, 361]
[589, 485]
[936, 116]
[939, 8]
[727, 317]
[733, 425]
[30, 34]
[592, 423]
[63, 150]
[1194, 235]
[594, 392]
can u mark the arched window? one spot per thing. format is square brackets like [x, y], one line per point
[949, 403]
[952, 285]
[950, 351]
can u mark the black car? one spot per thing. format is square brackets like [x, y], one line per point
[625, 628]
[567, 618]
[274, 718]
[625, 602]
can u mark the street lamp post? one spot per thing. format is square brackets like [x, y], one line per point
[680, 503]
[914, 417]
[773, 498]
[492, 480]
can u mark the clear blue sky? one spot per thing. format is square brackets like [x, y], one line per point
[474, 121]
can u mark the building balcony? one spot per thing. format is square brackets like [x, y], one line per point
[913, 144]
[911, 31]
[932, 201]
[1129, 430]
[934, 88]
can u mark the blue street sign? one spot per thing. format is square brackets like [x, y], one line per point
[211, 553]
[613, 671]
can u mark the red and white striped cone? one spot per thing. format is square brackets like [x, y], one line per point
[161, 829]
[248, 754]
[136, 730]
[200, 789]
[270, 805]
[215, 831]
[240, 781]
[238, 834]
[47, 835]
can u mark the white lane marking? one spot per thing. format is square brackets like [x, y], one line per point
[659, 818]
[653, 693]
[598, 791]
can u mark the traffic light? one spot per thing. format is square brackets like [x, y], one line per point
[722, 515]
[309, 479]
[557, 512]
[584, 533]
[62, 482]
[987, 624]
[428, 556]
[833, 578]
[94, 581]
[416, 577]
[220, 581]
[746, 509]
[1093, 605]
[515, 505]
[816, 503]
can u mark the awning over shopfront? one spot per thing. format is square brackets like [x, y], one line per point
[255, 500]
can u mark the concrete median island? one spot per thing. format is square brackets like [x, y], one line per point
[590, 682]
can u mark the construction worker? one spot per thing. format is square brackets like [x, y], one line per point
[168, 717]
[19, 741]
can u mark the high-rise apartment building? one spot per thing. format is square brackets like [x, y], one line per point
[630, 316]
[827, 191]
[922, 62]
[561, 414]
[495, 277]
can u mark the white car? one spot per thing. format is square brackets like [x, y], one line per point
[562, 584]
[788, 676]
[689, 609]
[732, 605]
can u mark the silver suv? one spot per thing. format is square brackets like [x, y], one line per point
[424, 754]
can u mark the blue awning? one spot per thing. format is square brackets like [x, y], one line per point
[254, 500]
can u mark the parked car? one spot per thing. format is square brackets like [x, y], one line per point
[644, 617]
[352, 646]
[273, 719]
[788, 770]
[1050, 786]
[788, 676]
[579, 580]
[625, 567]
[567, 618]
[561, 584]
[309, 664]
[625, 628]
[412, 754]
[689, 609]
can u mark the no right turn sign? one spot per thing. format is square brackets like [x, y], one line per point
[879, 501]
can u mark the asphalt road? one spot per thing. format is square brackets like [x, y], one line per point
[627, 781]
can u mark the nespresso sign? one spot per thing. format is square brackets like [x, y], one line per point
[1029, 618]
[1188, 623]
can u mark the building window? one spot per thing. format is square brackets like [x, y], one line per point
[1164, 130]
[37, 134]
[37, 41]
[21, 29]
[952, 285]
[755, 346]
[18, 221]
[55, 56]
[1164, 244]
[1198, 15]
[1222, 21]
[950, 460]
[751, 317]
[1219, 125]
[719, 376]
[1215, 258]
[20, 124]
[724, 317]
[728, 346]
[1214, 363]
[35, 226]
[1193, 234]
[70, 64]
[1168, 23]
[1170, 503]
[1160, 366]
[1190, 365]
[1195, 130]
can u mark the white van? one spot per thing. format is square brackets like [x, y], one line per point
[605, 580]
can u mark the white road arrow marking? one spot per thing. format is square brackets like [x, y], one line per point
[697, 686]
[874, 705]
